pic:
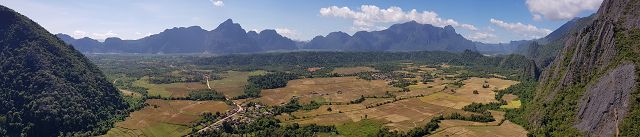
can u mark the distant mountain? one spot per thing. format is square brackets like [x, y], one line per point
[47, 88]
[500, 48]
[228, 37]
[409, 36]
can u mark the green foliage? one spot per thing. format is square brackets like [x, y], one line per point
[47, 88]
[271, 80]
[269, 126]
[427, 78]
[357, 101]
[384, 61]
[291, 106]
[483, 108]
[473, 117]
[403, 83]
[525, 91]
[250, 91]
[311, 106]
[206, 94]
[629, 43]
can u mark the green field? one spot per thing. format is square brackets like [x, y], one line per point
[361, 128]
[233, 83]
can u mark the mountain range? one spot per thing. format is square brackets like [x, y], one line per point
[230, 37]
[409, 36]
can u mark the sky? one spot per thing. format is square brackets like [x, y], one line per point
[489, 21]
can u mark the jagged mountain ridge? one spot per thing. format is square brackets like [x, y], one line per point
[228, 37]
[409, 36]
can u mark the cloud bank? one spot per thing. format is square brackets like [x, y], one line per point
[560, 9]
[527, 30]
[371, 17]
[289, 33]
[217, 3]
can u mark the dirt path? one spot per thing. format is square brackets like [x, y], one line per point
[207, 78]
[240, 109]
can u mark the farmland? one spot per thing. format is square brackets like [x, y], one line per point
[165, 118]
[339, 89]
[169, 90]
[396, 97]
[353, 70]
[233, 82]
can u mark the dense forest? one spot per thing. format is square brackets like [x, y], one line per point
[507, 65]
[47, 88]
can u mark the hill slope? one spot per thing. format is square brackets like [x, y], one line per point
[591, 87]
[48, 88]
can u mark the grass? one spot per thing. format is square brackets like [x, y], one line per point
[309, 89]
[159, 129]
[353, 70]
[361, 128]
[169, 90]
[512, 104]
[506, 129]
[233, 83]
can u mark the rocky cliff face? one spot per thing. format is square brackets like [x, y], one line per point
[588, 87]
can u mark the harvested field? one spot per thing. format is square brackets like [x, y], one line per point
[424, 89]
[506, 129]
[353, 70]
[464, 95]
[446, 100]
[401, 115]
[165, 118]
[485, 95]
[169, 90]
[509, 97]
[337, 89]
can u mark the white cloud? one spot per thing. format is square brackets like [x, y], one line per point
[94, 35]
[289, 33]
[527, 30]
[560, 9]
[370, 17]
[483, 37]
[104, 35]
[217, 3]
[79, 34]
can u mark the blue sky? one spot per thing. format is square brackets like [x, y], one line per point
[479, 20]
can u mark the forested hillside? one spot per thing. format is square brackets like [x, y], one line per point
[591, 87]
[47, 88]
